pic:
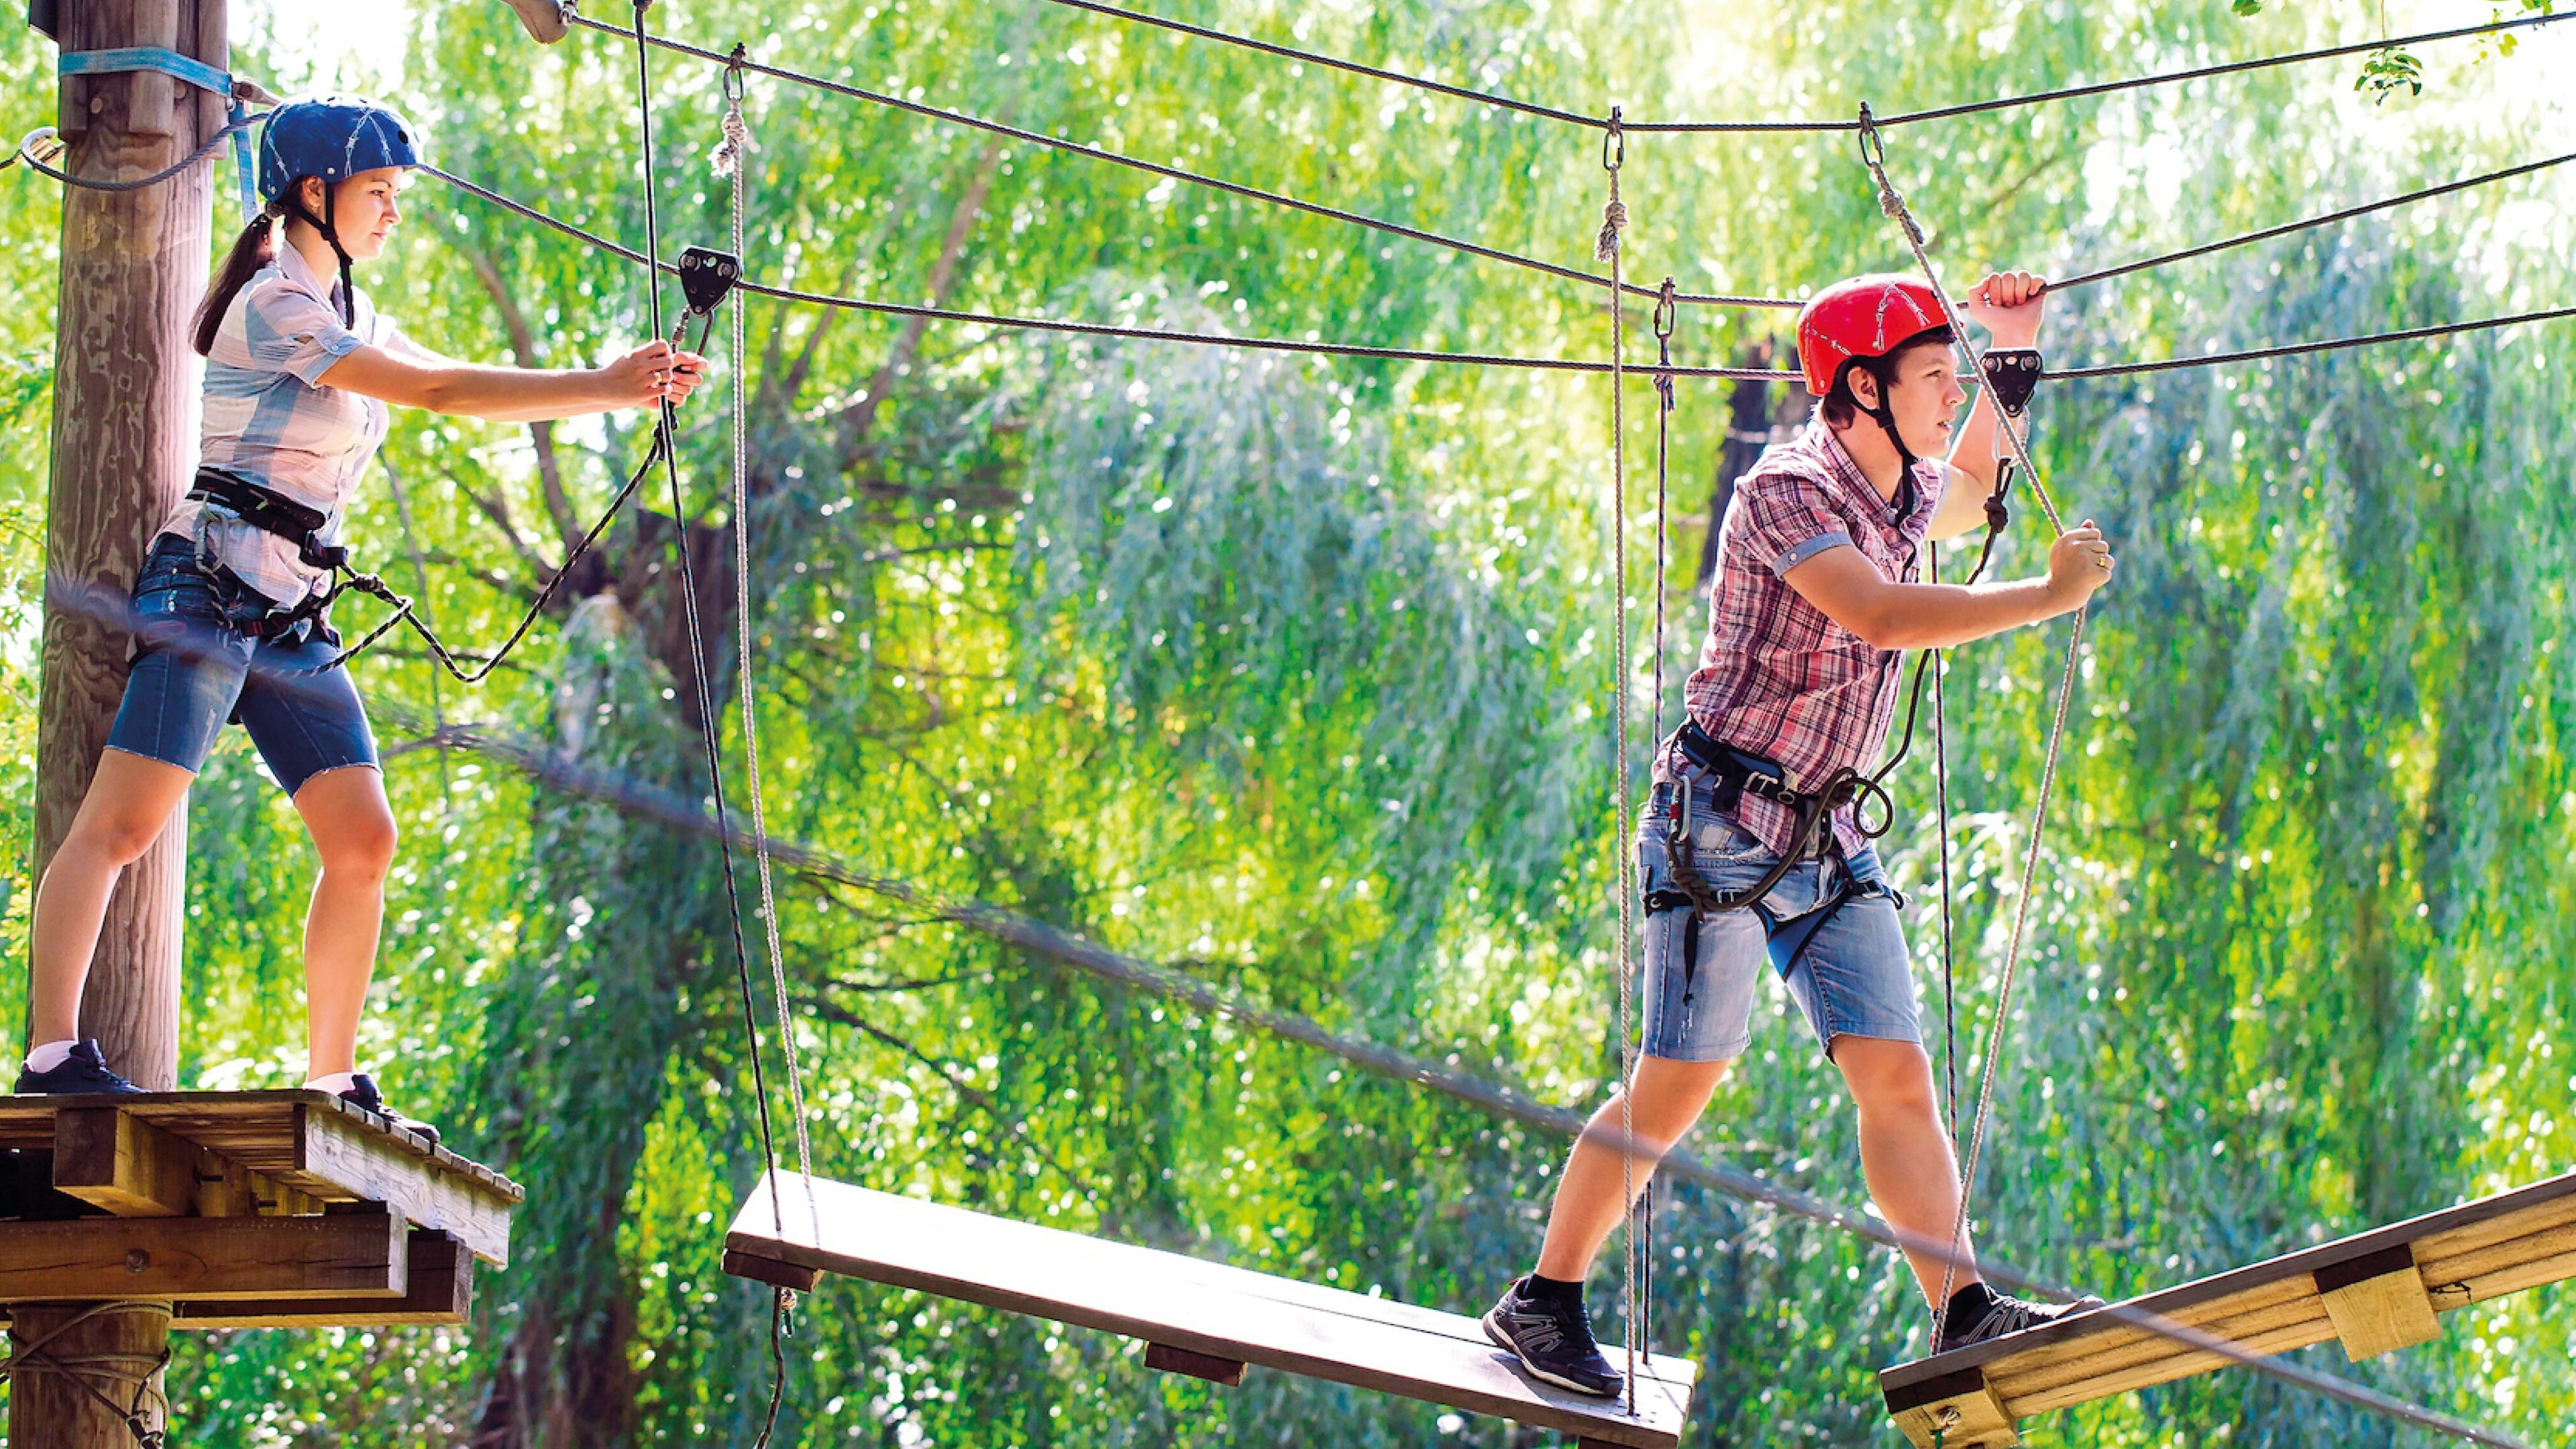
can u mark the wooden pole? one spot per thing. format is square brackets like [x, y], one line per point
[134, 266]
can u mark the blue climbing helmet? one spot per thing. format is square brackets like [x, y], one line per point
[332, 137]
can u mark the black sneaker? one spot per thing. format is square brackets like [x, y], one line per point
[2006, 1314]
[1553, 1340]
[362, 1093]
[85, 1070]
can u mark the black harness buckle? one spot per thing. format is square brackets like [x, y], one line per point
[706, 277]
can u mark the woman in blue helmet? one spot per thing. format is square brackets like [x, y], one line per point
[299, 369]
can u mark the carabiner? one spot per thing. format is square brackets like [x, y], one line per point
[1873, 147]
[1614, 143]
[1667, 307]
[733, 77]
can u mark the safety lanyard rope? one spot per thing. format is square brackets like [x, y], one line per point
[1874, 156]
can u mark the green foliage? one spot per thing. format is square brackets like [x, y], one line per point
[1296, 672]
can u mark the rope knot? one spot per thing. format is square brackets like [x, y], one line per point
[1614, 219]
[727, 159]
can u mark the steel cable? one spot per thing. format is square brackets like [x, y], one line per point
[1174, 173]
[1488, 98]
[2086, 279]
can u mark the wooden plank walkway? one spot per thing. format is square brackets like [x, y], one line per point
[1201, 1318]
[2375, 1291]
[300, 1145]
[245, 1209]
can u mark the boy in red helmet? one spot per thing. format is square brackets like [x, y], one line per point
[1751, 846]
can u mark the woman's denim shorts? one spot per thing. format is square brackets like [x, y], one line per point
[195, 669]
[1850, 976]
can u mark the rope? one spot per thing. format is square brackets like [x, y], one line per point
[1193, 178]
[47, 140]
[780, 1298]
[728, 161]
[1941, 818]
[1874, 156]
[1503, 1100]
[1665, 315]
[1614, 219]
[80, 1370]
[1502, 102]
[2086, 279]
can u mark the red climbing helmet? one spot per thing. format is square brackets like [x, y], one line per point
[1868, 316]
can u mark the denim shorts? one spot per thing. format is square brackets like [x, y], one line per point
[195, 670]
[1848, 971]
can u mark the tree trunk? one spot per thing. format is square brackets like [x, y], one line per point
[133, 269]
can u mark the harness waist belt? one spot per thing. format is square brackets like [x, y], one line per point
[1741, 772]
[269, 511]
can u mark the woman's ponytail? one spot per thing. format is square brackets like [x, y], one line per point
[254, 250]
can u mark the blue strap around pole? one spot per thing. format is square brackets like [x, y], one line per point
[168, 62]
[171, 63]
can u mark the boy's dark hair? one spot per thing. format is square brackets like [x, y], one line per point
[1840, 407]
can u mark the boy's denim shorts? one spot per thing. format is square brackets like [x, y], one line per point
[1851, 976]
[195, 669]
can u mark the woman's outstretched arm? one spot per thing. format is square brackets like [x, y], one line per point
[515, 394]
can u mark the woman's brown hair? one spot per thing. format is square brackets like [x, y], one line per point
[256, 247]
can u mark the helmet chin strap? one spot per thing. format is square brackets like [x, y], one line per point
[330, 233]
[1885, 415]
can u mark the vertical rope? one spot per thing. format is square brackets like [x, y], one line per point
[1614, 218]
[1667, 307]
[704, 695]
[1873, 154]
[729, 161]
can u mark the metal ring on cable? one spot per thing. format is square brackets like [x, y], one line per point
[733, 75]
[1873, 151]
[1614, 143]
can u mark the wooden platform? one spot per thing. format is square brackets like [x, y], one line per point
[1203, 1319]
[245, 1209]
[2375, 1291]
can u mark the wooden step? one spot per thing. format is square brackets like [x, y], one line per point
[1204, 1319]
[2376, 1292]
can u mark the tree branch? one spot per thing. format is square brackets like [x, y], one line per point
[860, 417]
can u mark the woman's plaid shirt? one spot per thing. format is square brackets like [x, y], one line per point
[1776, 677]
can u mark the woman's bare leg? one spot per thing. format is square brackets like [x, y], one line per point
[353, 829]
[129, 800]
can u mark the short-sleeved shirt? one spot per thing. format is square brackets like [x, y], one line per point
[268, 418]
[1777, 677]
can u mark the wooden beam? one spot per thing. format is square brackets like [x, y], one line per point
[2377, 1303]
[367, 1166]
[440, 1293]
[344, 1255]
[1170, 1360]
[1957, 1411]
[117, 1161]
[770, 1271]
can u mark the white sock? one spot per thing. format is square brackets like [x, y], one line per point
[49, 1056]
[335, 1083]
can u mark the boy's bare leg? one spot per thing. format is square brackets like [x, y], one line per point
[1668, 1098]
